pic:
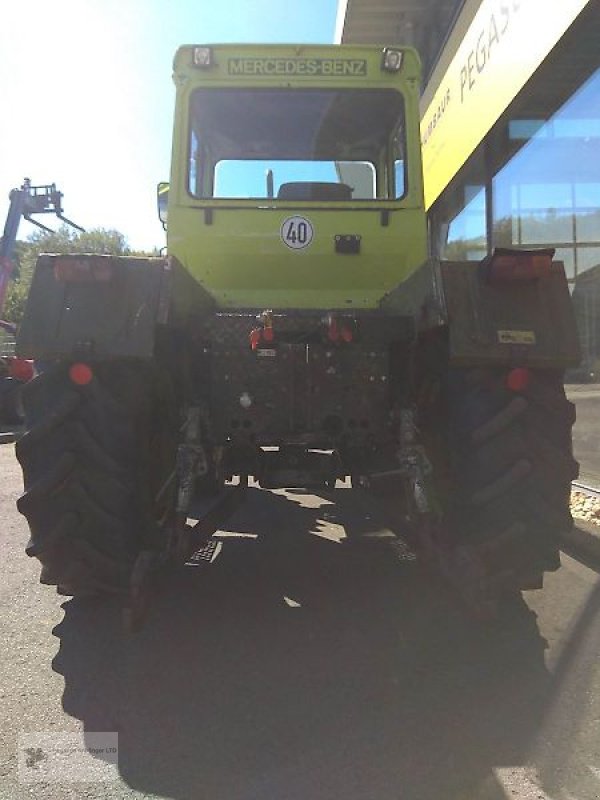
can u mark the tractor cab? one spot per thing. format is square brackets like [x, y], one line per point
[286, 160]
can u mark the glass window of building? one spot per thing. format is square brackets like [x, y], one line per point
[458, 220]
[549, 191]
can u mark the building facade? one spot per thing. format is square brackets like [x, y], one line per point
[510, 129]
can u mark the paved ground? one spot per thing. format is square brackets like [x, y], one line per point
[374, 687]
[586, 433]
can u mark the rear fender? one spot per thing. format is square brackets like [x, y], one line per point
[94, 306]
[509, 323]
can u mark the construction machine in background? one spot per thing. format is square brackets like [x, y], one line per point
[25, 203]
[297, 333]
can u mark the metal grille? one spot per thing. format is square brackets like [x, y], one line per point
[205, 555]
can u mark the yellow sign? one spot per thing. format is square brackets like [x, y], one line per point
[505, 43]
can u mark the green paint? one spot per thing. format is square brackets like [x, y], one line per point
[236, 249]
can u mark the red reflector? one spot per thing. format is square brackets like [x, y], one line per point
[518, 379]
[21, 369]
[346, 334]
[80, 374]
[518, 265]
[83, 269]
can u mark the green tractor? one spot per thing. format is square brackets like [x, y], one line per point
[297, 334]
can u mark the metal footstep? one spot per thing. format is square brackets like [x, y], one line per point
[401, 550]
[387, 538]
[206, 554]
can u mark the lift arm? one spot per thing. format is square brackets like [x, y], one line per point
[24, 203]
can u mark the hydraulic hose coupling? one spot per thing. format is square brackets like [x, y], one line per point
[267, 321]
[255, 337]
[265, 332]
[336, 332]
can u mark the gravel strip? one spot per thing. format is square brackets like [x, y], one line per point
[585, 507]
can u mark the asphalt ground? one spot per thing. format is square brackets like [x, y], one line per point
[586, 431]
[367, 683]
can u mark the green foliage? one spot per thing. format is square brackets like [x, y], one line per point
[465, 249]
[64, 240]
[69, 240]
[14, 304]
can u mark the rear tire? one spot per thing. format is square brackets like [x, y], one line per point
[502, 464]
[512, 463]
[94, 459]
[11, 401]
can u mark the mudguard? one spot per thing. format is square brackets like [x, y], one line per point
[93, 306]
[525, 323]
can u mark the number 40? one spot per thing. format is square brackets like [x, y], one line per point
[297, 233]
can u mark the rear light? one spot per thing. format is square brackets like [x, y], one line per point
[21, 369]
[517, 265]
[81, 374]
[518, 379]
[83, 269]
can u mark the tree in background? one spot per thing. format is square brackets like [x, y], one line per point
[65, 240]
